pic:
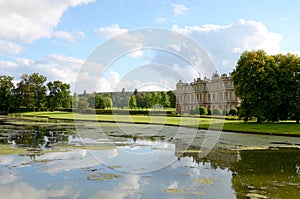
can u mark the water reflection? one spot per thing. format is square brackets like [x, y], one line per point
[79, 171]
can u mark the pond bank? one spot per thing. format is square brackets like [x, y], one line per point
[238, 126]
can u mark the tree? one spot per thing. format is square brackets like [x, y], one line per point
[268, 86]
[6, 97]
[108, 102]
[141, 101]
[31, 91]
[253, 84]
[165, 100]
[83, 103]
[59, 95]
[172, 98]
[75, 100]
[99, 101]
[132, 102]
[154, 99]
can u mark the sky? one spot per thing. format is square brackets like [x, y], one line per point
[59, 38]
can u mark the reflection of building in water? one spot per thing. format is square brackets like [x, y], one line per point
[222, 158]
[215, 93]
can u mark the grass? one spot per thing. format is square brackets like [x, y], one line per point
[6, 150]
[280, 128]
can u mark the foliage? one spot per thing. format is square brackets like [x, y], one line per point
[75, 101]
[165, 99]
[59, 95]
[233, 111]
[192, 112]
[224, 112]
[132, 102]
[217, 111]
[31, 91]
[268, 86]
[6, 97]
[203, 110]
[83, 104]
[172, 98]
[209, 112]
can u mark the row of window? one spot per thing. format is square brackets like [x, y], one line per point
[187, 108]
[205, 87]
[199, 97]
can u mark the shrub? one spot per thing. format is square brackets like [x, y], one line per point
[224, 112]
[202, 110]
[217, 111]
[208, 111]
[233, 111]
[192, 112]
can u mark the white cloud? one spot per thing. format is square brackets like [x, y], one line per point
[27, 21]
[110, 31]
[284, 19]
[9, 47]
[109, 82]
[179, 9]
[53, 66]
[68, 36]
[161, 20]
[225, 43]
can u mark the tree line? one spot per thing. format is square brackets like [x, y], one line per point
[268, 86]
[32, 93]
[123, 99]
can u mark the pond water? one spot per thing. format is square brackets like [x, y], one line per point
[61, 162]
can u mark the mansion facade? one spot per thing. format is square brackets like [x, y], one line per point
[215, 93]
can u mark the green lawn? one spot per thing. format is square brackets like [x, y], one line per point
[287, 128]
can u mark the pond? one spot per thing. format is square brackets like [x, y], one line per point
[61, 161]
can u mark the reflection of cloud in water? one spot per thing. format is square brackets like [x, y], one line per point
[20, 190]
[7, 176]
[128, 188]
[7, 159]
[142, 156]
[66, 161]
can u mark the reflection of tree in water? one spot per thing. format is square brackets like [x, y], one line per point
[273, 173]
[270, 173]
[218, 158]
[38, 137]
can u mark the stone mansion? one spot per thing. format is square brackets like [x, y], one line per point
[215, 93]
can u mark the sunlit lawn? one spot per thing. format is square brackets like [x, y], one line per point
[205, 123]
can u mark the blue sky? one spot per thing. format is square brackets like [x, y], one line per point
[54, 38]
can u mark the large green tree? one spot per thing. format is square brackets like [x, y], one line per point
[288, 78]
[267, 85]
[6, 97]
[59, 95]
[31, 91]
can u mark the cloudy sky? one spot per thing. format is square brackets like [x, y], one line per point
[56, 37]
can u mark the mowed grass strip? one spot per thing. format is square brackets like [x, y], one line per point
[280, 128]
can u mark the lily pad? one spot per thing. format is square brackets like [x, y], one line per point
[206, 181]
[103, 176]
[171, 190]
[255, 196]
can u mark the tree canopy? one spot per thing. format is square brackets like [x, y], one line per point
[268, 85]
[32, 93]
